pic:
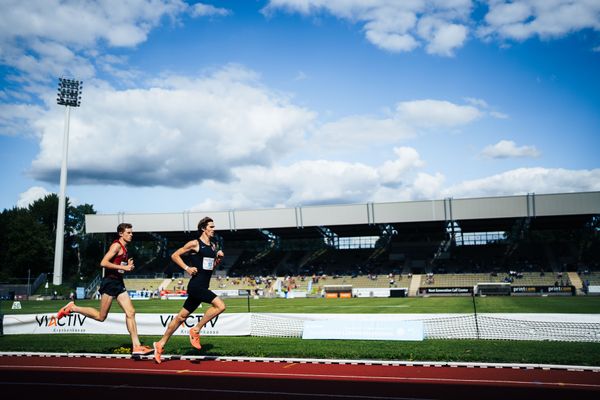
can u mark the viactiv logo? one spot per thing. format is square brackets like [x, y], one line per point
[73, 320]
[190, 320]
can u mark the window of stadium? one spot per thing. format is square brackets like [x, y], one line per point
[479, 238]
[357, 242]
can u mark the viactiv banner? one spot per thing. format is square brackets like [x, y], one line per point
[147, 324]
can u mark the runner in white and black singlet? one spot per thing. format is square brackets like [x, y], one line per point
[201, 258]
[204, 262]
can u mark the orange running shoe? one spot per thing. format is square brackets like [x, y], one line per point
[195, 339]
[141, 350]
[66, 310]
[158, 350]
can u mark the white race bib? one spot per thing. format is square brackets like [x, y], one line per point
[208, 263]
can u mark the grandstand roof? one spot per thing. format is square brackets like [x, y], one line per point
[546, 211]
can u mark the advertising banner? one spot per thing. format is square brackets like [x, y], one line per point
[563, 290]
[371, 292]
[147, 324]
[447, 290]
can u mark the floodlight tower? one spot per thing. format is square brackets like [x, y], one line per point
[69, 95]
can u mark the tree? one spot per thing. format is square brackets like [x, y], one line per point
[27, 239]
[26, 245]
[87, 248]
[45, 211]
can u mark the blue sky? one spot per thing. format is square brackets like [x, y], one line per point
[223, 104]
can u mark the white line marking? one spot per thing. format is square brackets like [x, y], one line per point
[391, 363]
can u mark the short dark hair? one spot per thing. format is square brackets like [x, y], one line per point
[122, 226]
[202, 224]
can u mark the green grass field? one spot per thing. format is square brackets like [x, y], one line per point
[402, 305]
[503, 351]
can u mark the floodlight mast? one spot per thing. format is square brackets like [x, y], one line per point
[69, 95]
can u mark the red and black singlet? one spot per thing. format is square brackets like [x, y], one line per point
[118, 259]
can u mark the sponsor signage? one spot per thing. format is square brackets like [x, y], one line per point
[147, 324]
[593, 289]
[230, 293]
[371, 292]
[543, 289]
[448, 290]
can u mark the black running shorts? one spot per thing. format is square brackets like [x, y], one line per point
[197, 296]
[112, 287]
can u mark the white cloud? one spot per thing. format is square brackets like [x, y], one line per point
[84, 22]
[311, 182]
[30, 195]
[408, 120]
[358, 130]
[442, 37]
[301, 183]
[178, 132]
[392, 172]
[393, 42]
[421, 186]
[48, 38]
[395, 26]
[499, 115]
[436, 113]
[17, 119]
[442, 27]
[544, 18]
[203, 10]
[527, 180]
[480, 103]
[300, 76]
[509, 149]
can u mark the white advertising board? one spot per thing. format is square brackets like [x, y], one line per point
[363, 329]
[147, 324]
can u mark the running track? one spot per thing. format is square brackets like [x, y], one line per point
[113, 377]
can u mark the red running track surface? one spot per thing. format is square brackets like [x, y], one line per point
[120, 377]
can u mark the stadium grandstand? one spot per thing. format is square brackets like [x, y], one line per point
[529, 244]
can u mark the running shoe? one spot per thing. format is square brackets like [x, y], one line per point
[141, 350]
[158, 350]
[195, 339]
[66, 310]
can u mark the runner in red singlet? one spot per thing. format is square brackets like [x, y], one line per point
[115, 263]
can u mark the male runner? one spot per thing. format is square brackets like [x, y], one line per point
[203, 258]
[115, 262]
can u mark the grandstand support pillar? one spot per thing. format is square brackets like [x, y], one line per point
[298, 215]
[371, 213]
[448, 209]
[231, 217]
[531, 205]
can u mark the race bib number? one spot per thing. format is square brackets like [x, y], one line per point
[208, 263]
